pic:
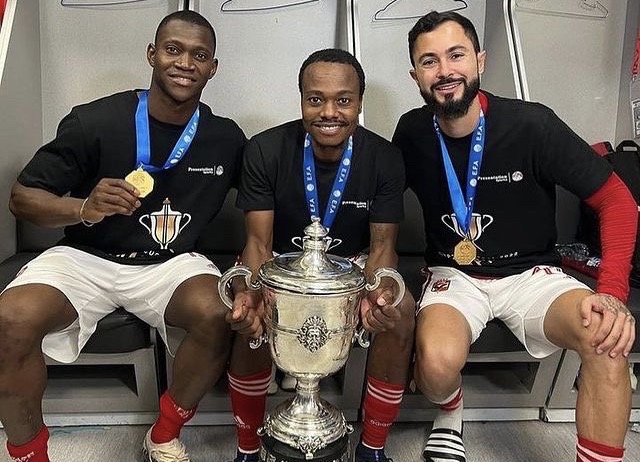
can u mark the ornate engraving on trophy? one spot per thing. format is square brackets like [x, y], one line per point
[166, 224]
[314, 333]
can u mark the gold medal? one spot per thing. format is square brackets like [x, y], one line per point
[141, 180]
[464, 253]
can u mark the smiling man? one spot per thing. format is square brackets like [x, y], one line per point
[358, 180]
[485, 170]
[124, 176]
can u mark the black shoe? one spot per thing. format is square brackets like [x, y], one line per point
[365, 454]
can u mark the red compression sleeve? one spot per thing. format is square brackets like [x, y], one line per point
[618, 217]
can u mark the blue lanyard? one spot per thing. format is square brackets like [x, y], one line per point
[310, 186]
[463, 208]
[143, 144]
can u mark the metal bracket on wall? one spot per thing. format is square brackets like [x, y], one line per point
[102, 3]
[591, 9]
[245, 6]
[402, 9]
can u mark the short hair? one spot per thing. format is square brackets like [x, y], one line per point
[190, 17]
[333, 55]
[432, 20]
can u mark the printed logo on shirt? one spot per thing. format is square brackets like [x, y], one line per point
[357, 204]
[216, 170]
[165, 225]
[508, 177]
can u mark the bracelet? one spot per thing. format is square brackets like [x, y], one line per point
[88, 224]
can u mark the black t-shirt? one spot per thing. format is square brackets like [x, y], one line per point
[528, 151]
[272, 179]
[98, 140]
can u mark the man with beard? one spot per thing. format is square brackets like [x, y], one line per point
[341, 160]
[485, 170]
[125, 160]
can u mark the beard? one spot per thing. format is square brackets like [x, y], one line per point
[451, 108]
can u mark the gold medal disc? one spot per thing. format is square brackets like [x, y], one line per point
[464, 253]
[141, 180]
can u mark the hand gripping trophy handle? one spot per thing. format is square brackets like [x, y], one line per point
[378, 274]
[223, 283]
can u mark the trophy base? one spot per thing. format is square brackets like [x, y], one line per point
[273, 450]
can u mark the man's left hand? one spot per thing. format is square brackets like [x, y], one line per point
[376, 311]
[617, 330]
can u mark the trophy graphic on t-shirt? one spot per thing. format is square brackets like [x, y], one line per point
[477, 226]
[165, 224]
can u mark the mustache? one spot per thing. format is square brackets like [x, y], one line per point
[446, 81]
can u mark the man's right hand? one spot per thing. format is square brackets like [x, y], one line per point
[111, 196]
[246, 315]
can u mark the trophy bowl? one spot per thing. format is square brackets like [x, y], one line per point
[311, 302]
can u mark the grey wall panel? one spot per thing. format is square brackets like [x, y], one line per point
[260, 52]
[572, 62]
[501, 75]
[20, 100]
[382, 28]
[89, 52]
[624, 125]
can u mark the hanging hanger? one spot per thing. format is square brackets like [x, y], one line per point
[94, 3]
[384, 15]
[579, 8]
[232, 6]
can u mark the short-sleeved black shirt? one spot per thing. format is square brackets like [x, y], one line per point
[528, 151]
[98, 140]
[272, 179]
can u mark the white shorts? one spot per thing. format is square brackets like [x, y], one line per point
[520, 301]
[96, 287]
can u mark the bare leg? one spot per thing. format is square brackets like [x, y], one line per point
[604, 395]
[27, 314]
[201, 358]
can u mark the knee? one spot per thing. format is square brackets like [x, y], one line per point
[209, 321]
[437, 363]
[19, 332]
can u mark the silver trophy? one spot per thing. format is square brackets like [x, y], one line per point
[312, 304]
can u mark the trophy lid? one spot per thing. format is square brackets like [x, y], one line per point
[313, 271]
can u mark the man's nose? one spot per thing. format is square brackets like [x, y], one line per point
[329, 109]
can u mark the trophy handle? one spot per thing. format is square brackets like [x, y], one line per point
[141, 221]
[393, 274]
[226, 278]
[361, 335]
[224, 281]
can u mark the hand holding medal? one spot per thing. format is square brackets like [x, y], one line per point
[142, 181]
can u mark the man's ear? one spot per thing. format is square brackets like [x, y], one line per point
[481, 60]
[214, 68]
[412, 73]
[151, 54]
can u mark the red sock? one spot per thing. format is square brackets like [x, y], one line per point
[172, 418]
[33, 451]
[381, 407]
[248, 401]
[588, 451]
